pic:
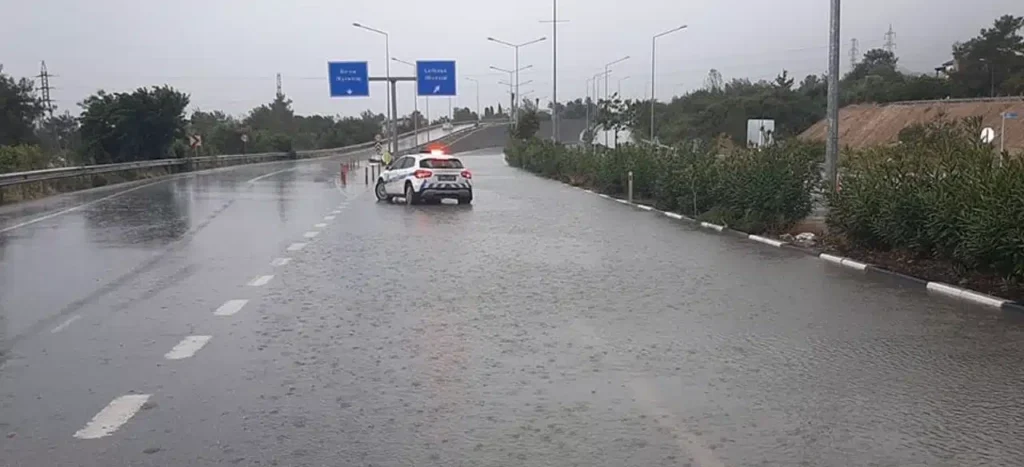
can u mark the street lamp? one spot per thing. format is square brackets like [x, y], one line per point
[387, 66]
[654, 42]
[606, 72]
[516, 47]
[619, 88]
[479, 116]
[512, 95]
[415, 106]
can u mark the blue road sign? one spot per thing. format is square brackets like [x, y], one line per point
[348, 79]
[1010, 115]
[435, 78]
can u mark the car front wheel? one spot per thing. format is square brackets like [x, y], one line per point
[410, 195]
[381, 192]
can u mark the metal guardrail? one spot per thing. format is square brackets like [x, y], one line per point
[19, 178]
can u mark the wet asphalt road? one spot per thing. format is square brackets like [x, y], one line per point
[541, 326]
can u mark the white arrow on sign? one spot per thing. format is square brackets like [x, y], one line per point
[437, 89]
[349, 91]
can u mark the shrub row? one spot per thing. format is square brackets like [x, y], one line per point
[752, 190]
[939, 193]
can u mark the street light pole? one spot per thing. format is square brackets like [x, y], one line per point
[415, 107]
[606, 72]
[654, 43]
[389, 98]
[478, 115]
[618, 90]
[516, 47]
[832, 142]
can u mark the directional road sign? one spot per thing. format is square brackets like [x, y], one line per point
[435, 78]
[348, 79]
[195, 141]
[1010, 115]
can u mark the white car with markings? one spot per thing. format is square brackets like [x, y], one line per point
[427, 177]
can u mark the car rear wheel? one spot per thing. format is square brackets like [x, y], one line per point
[381, 192]
[410, 195]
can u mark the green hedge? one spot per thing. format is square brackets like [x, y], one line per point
[752, 190]
[940, 193]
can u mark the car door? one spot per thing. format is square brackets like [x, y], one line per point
[395, 178]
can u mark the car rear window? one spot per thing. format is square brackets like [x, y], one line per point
[440, 164]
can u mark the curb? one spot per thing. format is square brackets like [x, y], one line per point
[937, 288]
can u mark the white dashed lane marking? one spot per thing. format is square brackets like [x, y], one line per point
[230, 307]
[311, 234]
[260, 281]
[113, 416]
[280, 262]
[328, 218]
[335, 212]
[320, 225]
[65, 324]
[187, 347]
[296, 246]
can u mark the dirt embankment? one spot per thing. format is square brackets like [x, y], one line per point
[866, 125]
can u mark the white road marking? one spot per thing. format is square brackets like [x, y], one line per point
[187, 347]
[622, 201]
[604, 196]
[674, 215]
[113, 416]
[271, 174]
[296, 246]
[65, 324]
[645, 207]
[260, 281]
[588, 191]
[280, 262]
[320, 226]
[311, 234]
[230, 307]
[328, 218]
[76, 208]
[335, 212]
[708, 225]
[766, 241]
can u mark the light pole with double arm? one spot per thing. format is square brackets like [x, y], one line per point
[516, 47]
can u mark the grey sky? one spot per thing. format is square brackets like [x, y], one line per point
[225, 53]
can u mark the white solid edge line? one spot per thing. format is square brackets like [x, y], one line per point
[320, 225]
[963, 294]
[187, 347]
[113, 416]
[230, 307]
[709, 225]
[311, 234]
[260, 281]
[328, 218]
[271, 174]
[75, 208]
[280, 261]
[645, 207]
[296, 246]
[766, 241]
[673, 215]
[65, 324]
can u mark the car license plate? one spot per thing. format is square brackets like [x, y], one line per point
[446, 178]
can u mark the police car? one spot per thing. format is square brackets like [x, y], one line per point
[426, 177]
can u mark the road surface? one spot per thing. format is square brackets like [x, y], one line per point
[269, 315]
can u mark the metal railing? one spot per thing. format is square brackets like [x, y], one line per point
[18, 178]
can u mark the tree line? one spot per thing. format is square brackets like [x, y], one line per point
[988, 65]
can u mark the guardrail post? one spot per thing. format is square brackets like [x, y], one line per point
[366, 175]
[629, 195]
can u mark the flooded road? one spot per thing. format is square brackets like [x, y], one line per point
[294, 321]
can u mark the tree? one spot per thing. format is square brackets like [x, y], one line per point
[59, 135]
[713, 82]
[20, 109]
[125, 127]
[463, 114]
[991, 63]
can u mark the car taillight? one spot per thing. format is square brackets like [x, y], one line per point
[467, 174]
[423, 173]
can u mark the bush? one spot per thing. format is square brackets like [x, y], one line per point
[21, 158]
[939, 193]
[753, 190]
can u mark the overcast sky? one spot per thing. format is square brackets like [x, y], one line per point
[225, 53]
